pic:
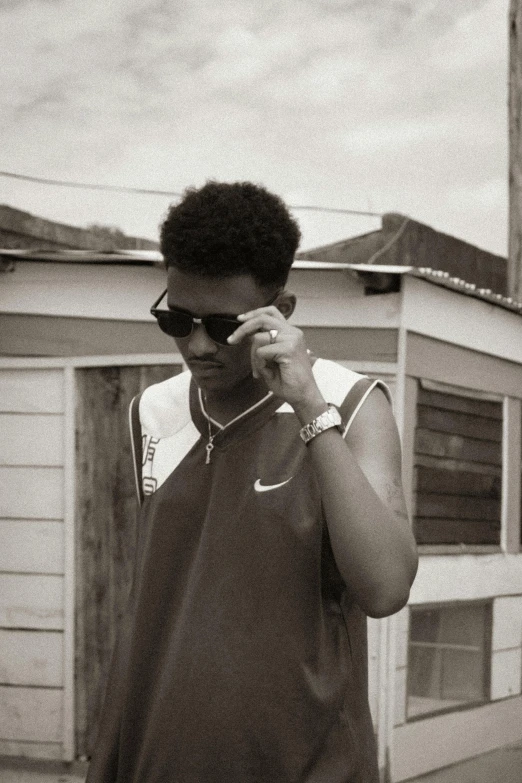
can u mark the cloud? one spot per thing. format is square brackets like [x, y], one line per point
[399, 103]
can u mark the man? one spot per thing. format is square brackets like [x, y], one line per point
[273, 523]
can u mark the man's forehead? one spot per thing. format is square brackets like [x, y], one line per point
[202, 294]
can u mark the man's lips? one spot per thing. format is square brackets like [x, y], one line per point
[199, 364]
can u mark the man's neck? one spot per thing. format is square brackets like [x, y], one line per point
[225, 406]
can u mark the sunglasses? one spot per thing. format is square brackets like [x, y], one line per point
[180, 323]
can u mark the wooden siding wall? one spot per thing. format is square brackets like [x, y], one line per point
[106, 526]
[22, 335]
[478, 572]
[338, 344]
[458, 469]
[32, 562]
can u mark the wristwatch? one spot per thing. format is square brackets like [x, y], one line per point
[327, 420]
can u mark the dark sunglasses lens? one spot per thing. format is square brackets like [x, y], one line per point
[175, 324]
[218, 329]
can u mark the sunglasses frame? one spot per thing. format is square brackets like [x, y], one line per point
[157, 312]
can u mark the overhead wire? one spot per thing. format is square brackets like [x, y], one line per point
[151, 192]
[87, 186]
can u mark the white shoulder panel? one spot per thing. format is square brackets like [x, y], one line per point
[168, 432]
[164, 407]
[334, 380]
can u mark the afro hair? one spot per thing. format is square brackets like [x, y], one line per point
[226, 229]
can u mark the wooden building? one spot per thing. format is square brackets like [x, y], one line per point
[77, 341]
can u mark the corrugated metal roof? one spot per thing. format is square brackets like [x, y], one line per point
[154, 257]
[443, 279]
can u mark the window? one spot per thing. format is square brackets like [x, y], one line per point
[448, 658]
[458, 469]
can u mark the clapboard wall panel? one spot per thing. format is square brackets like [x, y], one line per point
[379, 345]
[429, 530]
[424, 745]
[457, 402]
[458, 482]
[31, 601]
[31, 492]
[447, 445]
[31, 714]
[33, 415]
[469, 425]
[32, 390]
[31, 439]
[458, 469]
[31, 658]
[439, 505]
[31, 546]
[51, 751]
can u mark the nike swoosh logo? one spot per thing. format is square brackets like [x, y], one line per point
[267, 487]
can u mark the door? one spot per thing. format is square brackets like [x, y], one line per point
[105, 526]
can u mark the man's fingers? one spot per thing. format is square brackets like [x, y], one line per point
[258, 340]
[262, 322]
[270, 310]
[275, 353]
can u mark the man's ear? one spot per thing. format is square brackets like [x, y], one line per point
[286, 302]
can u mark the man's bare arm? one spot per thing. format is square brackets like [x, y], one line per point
[365, 510]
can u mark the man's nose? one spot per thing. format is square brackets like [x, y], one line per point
[200, 344]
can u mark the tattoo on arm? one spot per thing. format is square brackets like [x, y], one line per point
[394, 496]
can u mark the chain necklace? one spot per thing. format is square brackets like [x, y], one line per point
[210, 444]
[203, 405]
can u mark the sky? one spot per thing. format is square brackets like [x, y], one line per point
[368, 105]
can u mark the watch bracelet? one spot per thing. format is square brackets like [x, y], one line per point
[325, 421]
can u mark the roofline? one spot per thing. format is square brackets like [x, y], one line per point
[155, 258]
[70, 256]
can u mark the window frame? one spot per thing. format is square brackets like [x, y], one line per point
[488, 657]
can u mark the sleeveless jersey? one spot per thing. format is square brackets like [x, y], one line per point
[248, 660]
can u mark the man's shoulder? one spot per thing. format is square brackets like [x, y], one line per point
[164, 406]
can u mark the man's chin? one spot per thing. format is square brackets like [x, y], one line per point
[218, 379]
[207, 384]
